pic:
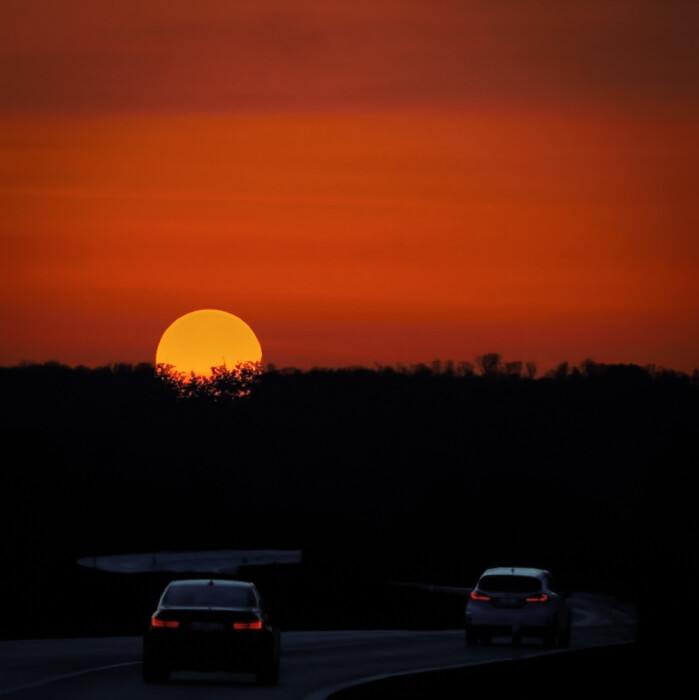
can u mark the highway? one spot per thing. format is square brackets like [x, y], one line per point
[314, 664]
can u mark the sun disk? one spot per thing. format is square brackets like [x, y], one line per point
[207, 338]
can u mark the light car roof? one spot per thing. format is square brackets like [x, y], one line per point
[209, 582]
[515, 571]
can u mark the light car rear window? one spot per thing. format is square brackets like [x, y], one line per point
[509, 584]
[210, 596]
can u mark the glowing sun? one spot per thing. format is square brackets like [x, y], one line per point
[207, 338]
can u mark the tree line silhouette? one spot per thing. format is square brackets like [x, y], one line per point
[428, 472]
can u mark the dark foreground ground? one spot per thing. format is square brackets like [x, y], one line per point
[618, 669]
[426, 475]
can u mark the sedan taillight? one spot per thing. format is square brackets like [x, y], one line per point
[254, 625]
[539, 598]
[158, 622]
[477, 595]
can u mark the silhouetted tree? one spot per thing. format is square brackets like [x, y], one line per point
[490, 364]
[590, 368]
[449, 368]
[560, 372]
[466, 368]
[513, 369]
[222, 384]
[421, 369]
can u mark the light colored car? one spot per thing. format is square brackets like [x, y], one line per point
[517, 602]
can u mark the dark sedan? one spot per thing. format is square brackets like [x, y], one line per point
[211, 625]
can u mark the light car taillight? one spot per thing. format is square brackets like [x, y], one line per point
[539, 598]
[254, 625]
[157, 622]
[477, 595]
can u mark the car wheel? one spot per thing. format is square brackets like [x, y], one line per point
[564, 637]
[153, 672]
[269, 673]
[472, 637]
[550, 635]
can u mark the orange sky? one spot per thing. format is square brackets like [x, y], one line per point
[360, 182]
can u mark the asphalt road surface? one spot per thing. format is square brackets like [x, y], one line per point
[314, 664]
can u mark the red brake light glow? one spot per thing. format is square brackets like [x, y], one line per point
[539, 598]
[477, 595]
[157, 622]
[254, 625]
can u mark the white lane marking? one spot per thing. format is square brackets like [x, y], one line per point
[65, 676]
[324, 693]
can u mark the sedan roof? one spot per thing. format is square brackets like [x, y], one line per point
[210, 593]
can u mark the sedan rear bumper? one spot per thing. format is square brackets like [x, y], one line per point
[236, 652]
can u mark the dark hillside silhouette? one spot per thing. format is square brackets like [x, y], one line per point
[427, 473]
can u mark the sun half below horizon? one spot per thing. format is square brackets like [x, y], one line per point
[200, 340]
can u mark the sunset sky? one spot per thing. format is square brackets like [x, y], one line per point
[361, 181]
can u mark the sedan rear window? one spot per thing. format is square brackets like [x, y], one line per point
[509, 584]
[210, 596]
